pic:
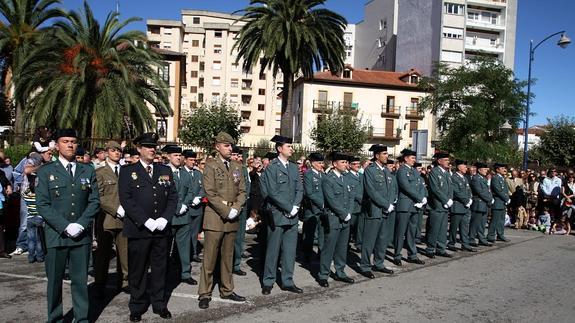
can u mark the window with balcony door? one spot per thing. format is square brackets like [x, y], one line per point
[216, 81]
[217, 65]
[412, 127]
[200, 97]
[453, 8]
[322, 99]
[390, 105]
[164, 72]
[347, 100]
[234, 83]
[217, 49]
[389, 128]
[201, 82]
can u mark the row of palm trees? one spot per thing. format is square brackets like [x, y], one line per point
[68, 70]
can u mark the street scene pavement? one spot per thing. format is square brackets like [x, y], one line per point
[529, 278]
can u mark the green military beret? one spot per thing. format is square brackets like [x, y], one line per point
[224, 138]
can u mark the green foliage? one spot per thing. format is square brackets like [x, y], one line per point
[471, 103]
[340, 131]
[557, 146]
[17, 152]
[262, 148]
[92, 77]
[203, 124]
[292, 36]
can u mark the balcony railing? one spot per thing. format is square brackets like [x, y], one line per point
[384, 134]
[330, 106]
[413, 113]
[390, 111]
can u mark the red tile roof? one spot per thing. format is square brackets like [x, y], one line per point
[369, 77]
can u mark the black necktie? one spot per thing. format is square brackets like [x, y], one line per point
[149, 170]
[227, 165]
[177, 174]
[70, 169]
[116, 170]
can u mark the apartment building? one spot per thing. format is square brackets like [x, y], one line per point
[209, 72]
[400, 34]
[388, 101]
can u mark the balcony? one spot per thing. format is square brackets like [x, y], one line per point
[485, 23]
[488, 3]
[330, 106]
[382, 134]
[390, 111]
[245, 123]
[476, 43]
[414, 113]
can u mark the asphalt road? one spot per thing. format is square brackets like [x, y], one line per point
[531, 278]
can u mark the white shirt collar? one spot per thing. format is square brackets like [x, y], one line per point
[315, 171]
[187, 169]
[174, 169]
[111, 165]
[379, 166]
[65, 163]
[353, 172]
[145, 164]
[284, 162]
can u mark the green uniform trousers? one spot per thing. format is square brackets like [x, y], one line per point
[284, 238]
[183, 242]
[359, 227]
[497, 225]
[311, 232]
[477, 227]
[77, 258]
[195, 228]
[240, 239]
[459, 222]
[418, 234]
[437, 236]
[102, 256]
[335, 248]
[405, 230]
[377, 234]
[217, 246]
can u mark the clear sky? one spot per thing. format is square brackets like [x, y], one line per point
[553, 67]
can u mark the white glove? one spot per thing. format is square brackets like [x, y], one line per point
[197, 200]
[294, 210]
[151, 224]
[508, 201]
[449, 203]
[347, 218]
[161, 224]
[469, 203]
[390, 208]
[233, 214]
[74, 229]
[418, 205]
[120, 213]
[492, 201]
[183, 209]
[424, 201]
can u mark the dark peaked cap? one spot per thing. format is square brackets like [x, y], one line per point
[377, 148]
[65, 133]
[281, 140]
[315, 157]
[147, 139]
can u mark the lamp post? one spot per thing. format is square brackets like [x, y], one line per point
[563, 42]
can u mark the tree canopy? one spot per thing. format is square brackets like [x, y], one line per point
[557, 145]
[340, 131]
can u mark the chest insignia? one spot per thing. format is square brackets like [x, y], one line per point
[134, 176]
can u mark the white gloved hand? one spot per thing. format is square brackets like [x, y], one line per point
[469, 203]
[347, 218]
[424, 201]
[418, 205]
[390, 208]
[183, 209]
[233, 214]
[120, 213]
[151, 224]
[161, 224]
[492, 201]
[74, 229]
[294, 210]
[450, 203]
[197, 200]
[508, 201]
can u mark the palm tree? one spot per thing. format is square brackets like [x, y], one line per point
[90, 77]
[19, 33]
[292, 36]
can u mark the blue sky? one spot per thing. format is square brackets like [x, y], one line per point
[553, 67]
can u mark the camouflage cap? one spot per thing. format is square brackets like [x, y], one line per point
[224, 138]
[113, 145]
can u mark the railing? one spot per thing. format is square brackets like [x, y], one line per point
[390, 111]
[413, 113]
[384, 134]
[320, 106]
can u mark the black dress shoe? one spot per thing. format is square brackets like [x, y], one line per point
[383, 270]
[190, 281]
[397, 262]
[135, 317]
[491, 241]
[293, 289]
[503, 239]
[126, 289]
[343, 279]
[234, 297]
[474, 244]
[416, 261]
[5, 255]
[428, 254]
[100, 292]
[239, 272]
[164, 313]
[469, 249]
[196, 258]
[486, 244]
[452, 248]
[204, 303]
[444, 254]
[367, 274]
[266, 290]
[323, 283]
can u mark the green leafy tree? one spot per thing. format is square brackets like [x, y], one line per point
[91, 77]
[205, 122]
[20, 32]
[471, 104]
[340, 131]
[262, 148]
[292, 36]
[557, 145]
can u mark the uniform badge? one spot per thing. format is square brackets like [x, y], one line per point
[134, 176]
[164, 180]
[236, 175]
[85, 183]
[51, 178]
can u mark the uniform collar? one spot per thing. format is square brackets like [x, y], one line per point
[65, 162]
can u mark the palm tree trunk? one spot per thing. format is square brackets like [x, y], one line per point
[19, 135]
[287, 109]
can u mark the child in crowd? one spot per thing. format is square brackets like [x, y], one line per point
[544, 221]
[42, 141]
[562, 226]
[34, 223]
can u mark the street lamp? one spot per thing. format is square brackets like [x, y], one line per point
[563, 42]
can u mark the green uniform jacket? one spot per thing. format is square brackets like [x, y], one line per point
[109, 198]
[282, 189]
[440, 189]
[421, 185]
[381, 188]
[313, 193]
[356, 185]
[196, 189]
[482, 197]
[410, 193]
[183, 186]
[62, 200]
[500, 192]
[339, 200]
[461, 194]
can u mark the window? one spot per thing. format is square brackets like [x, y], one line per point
[167, 44]
[451, 56]
[455, 33]
[167, 31]
[200, 97]
[193, 89]
[246, 115]
[412, 127]
[414, 103]
[218, 34]
[261, 91]
[235, 82]
[195, 58]
[202, 66]
[216, 81]
[453, 8]
[261, 107]
[262, 76]
[217, 65]
[278, 131]
[201, 82]
[195, 43]
[260, 123]
[381, 24]
[347, 99]
[322, 98]
[217, 49]
[347, 74]
[473, 15]
[154, 30]
[193, 104]
[215, 96]
[194, 74]
[380, 42]
[388, 128]
[413, 79]
[164, 72]
[235, 67]
[196, 20]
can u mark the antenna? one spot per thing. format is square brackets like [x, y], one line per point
[118, 6]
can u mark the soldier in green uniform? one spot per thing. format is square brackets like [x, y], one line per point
[482, 200]
[282, 190]
[441, 199]
[501, 196]
[339, 206]
[237, 155]
[381, 190]
[196, 209]
[410, 200]
[356, 184]
[313, 205]
[460, 210]
[181, 221]
[423, 191]
[67, 198]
